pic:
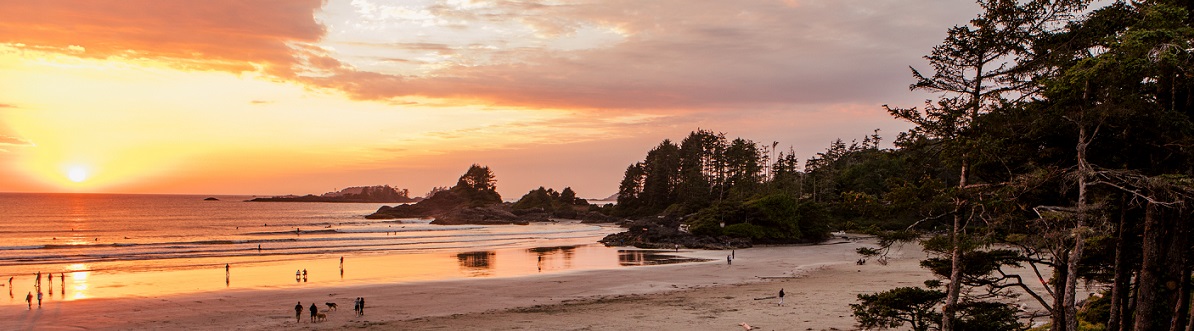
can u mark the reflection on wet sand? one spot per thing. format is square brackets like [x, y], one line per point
[79, 284]
[553, 258]
[116, 279]
[641, 258]
[477, 264]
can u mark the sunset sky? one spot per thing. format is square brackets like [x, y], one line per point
[306, 96]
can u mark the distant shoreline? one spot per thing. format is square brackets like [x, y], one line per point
[326, 200]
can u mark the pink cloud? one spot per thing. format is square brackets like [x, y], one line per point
[676, 54]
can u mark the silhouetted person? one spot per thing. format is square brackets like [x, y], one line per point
[29, 299]
[781, 296]
[304, 275]
[227, 269]
[362, 306]
[38, 299]
[314, 310]
[356, 306]
[298, 312]
[728, 261]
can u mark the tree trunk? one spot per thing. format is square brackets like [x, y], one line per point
[1154, 308]
[1123, 274]
[1179, 273]
[955, 273]
[1181, 313]
[1071, 280]
[1057, 315]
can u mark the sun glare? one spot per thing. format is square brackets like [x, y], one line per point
[77, 174]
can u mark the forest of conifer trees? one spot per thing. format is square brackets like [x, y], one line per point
[1060, 141]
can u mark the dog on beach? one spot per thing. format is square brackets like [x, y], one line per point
[321, 317]
[331, 305]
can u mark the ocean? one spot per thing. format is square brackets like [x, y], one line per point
[115, 245]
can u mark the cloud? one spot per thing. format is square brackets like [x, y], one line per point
[9, 140]
[666, 54]
[617, 54]
[227, 35]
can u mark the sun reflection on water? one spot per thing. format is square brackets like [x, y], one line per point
[78, 277]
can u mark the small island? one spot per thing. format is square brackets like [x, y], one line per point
[358, 194]
[474, 200]
[211, 199]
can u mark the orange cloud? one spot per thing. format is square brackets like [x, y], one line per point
[7, 140]
[228, 35]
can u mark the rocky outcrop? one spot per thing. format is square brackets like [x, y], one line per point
[664, 235]
[493, 214]
[596, 217]
[448, 207]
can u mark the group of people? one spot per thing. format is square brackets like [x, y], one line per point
[358, 307]
[300, 275]
[37, 285]
[298, 312]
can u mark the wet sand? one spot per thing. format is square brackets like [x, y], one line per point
[820, 280]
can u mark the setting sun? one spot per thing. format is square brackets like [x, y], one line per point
[77, 174]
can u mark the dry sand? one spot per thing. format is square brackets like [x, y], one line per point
[820, 282]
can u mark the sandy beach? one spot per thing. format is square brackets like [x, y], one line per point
[820, 282]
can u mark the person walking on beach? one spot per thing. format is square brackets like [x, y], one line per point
[314, 310]
[728, 260]
[362, 306]
[781, 296]
[29, 299]
[356, 306]
[39, 299]
[298, 312]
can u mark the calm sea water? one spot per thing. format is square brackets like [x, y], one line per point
[72, 229]
[111, 246]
